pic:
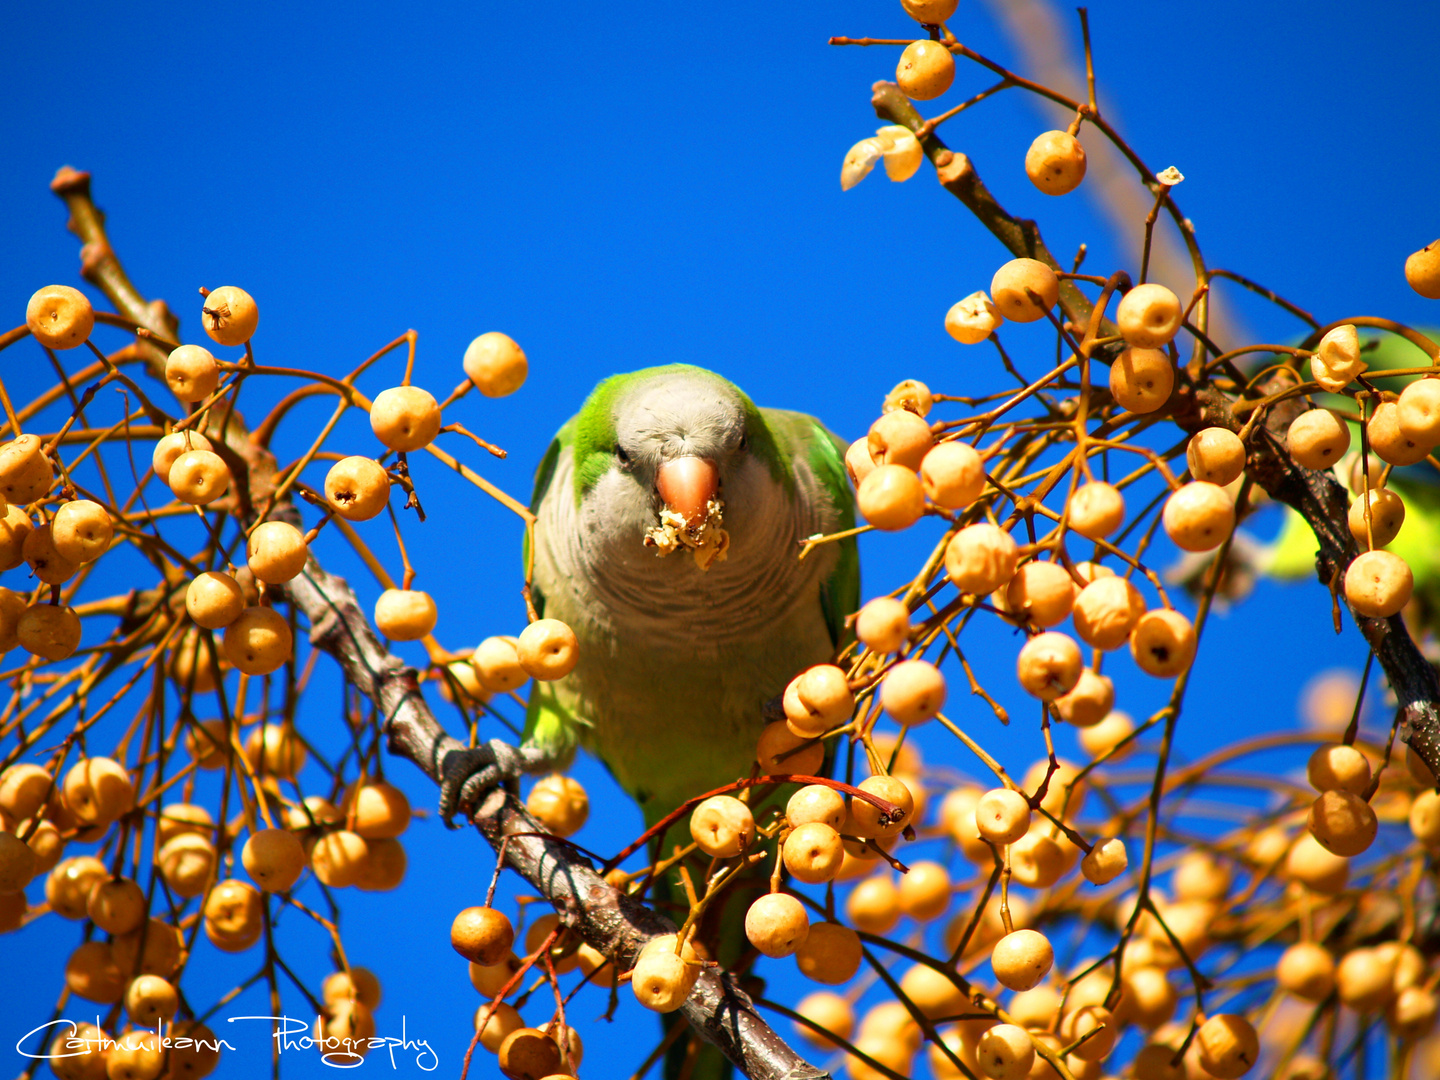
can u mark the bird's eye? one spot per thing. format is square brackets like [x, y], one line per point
[744, 442]
[622, 455]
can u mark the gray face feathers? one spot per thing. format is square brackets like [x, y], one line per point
[678, 415]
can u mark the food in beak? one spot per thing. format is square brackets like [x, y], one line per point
[691, 515]
[687, 485]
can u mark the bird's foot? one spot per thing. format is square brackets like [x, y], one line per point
[471, 773]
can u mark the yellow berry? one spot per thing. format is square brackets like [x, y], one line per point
[1141, 379]
[913, 692]
[1422, 271]
[1306, 970]
[1386, 514]
[405, 614]
[81, 531]
[1106, 861]
[60, 317]
[828, 1011]
[1049, 665]
[1163, 643]
[973, 319]
[830, 954]
[199, 477]
[952, 475]
[722, 826]
[357, 488]
[1013, 285]
[1228, 1046]
[1002, 816]
[1055, 162]
[1343, 823]
[191, 373]
[496, 364]
[930, 12]
[1199, 516]
[1317, 439]
[981, 558]
[46, 563]
[259, 641]
[891, 497]
[813, 852]
[925, 71]
[776, 924]
[1096, 509]
[883, 624]
[276, 552]
[1006, 1052]
[1337, 360]
[560, 803]
[1089, 702]
[274, 859]
[482, 935]
[214, 600]
[1148, 316]
[1216, 455]
[339, 858]
[405, 418]
[377, 810]
[1378, 584]
[230, 315]
[1042, 592]
[171, 447]
[25, 473]
[901, 438]
[1022, 959]
[548, 650]
[1106, 611]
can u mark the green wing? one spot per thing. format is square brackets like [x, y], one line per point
[824, 452]
[548, 724]
[544, 475]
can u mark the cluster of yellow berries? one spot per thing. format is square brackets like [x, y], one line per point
[354, 844]
[257, 639]
[138, 960]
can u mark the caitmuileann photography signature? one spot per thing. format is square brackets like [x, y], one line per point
[288, 1033]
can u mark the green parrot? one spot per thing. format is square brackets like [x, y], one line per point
[669, 517]
[1291, 556]
[681, 645]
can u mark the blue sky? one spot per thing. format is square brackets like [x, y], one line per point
[626, 185]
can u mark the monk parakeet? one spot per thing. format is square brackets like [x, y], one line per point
[670, 513]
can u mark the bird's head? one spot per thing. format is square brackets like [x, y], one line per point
[674, 439]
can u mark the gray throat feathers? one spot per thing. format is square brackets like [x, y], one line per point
[617, 580]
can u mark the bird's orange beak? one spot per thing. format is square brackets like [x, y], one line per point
[687, 485]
